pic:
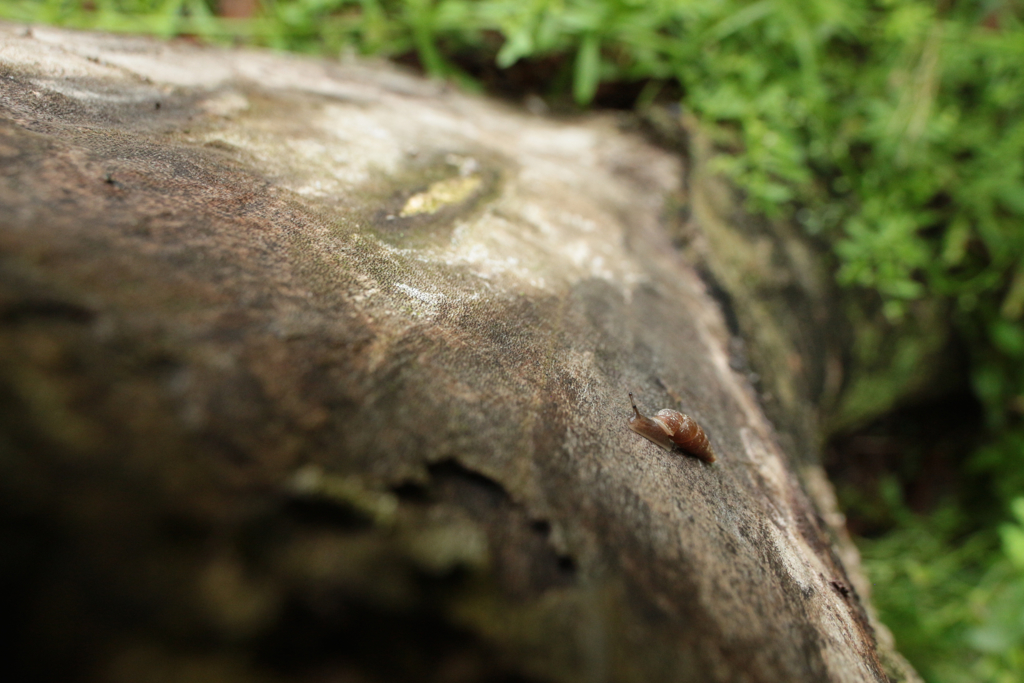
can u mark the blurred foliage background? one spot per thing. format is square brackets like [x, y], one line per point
[892, 131]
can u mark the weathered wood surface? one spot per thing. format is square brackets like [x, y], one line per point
[314, 371]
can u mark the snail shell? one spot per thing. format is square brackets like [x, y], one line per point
[671, 429]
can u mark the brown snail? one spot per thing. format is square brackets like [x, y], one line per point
[672, 430]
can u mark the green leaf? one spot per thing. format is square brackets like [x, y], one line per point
[1013, 543]
[1008, 337]
[1017, 507]
[587, 72]
[517, 46]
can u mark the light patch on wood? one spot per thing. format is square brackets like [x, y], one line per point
[441, 194]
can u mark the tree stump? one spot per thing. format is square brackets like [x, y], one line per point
[319, 371]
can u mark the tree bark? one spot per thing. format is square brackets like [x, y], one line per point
[319, 371]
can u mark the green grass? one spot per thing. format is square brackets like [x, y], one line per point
[892, 130]
[953, 595]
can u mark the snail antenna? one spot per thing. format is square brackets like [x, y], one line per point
[635, 409]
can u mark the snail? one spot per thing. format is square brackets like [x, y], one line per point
[672, 430]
